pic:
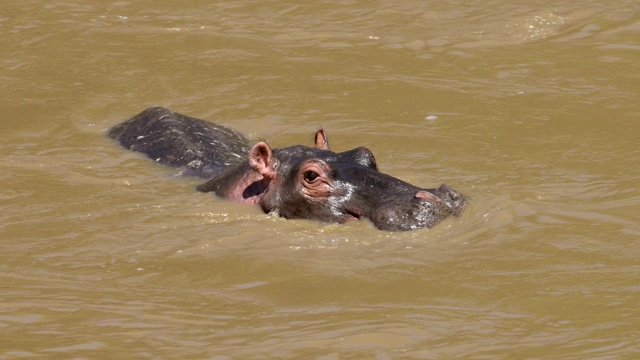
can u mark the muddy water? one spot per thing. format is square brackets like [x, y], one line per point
[532, 109]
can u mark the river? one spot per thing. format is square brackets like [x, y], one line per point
[530, 108]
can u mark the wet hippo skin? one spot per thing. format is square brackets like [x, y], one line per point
[297, 182]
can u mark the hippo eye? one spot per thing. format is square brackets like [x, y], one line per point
[310, 176]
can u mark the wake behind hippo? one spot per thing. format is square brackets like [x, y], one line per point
[297, 182]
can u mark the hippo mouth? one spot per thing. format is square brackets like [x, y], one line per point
[425, 196]
[351, 215]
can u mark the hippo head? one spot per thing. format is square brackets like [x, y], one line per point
[335, 191]
[301, 182]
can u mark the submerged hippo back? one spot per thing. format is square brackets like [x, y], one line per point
[202, 148]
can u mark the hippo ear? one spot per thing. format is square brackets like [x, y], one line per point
[261, 160]
[321, 140]
[425, 196]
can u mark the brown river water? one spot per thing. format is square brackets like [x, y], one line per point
[531, 108]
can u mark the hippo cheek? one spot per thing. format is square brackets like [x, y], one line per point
[332, 209]
[391, 218]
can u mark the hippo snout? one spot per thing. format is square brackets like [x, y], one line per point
[452, 198]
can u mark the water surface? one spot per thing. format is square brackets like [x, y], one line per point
[531, 109]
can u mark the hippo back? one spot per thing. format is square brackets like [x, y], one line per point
[199, 147]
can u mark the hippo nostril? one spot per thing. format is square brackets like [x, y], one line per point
[446, 190]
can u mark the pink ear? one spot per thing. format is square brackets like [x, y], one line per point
[261, 160]
[425, 196]
[321, 140]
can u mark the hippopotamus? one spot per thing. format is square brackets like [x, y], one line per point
[296, 182]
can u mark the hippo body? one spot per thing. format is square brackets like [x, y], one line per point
[297, 182]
